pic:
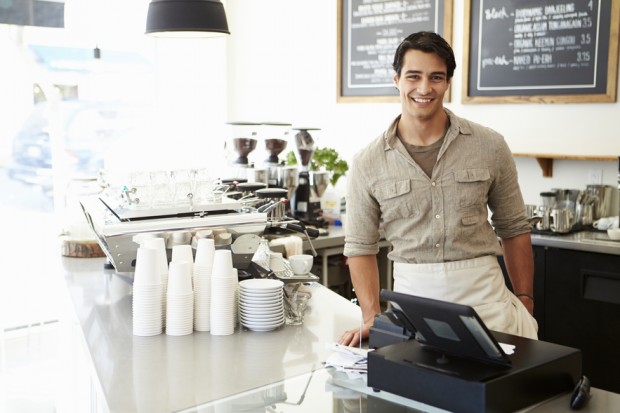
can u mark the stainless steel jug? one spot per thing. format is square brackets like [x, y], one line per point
[561, 220]
[545, 222]
[585, 214]
[602, 202]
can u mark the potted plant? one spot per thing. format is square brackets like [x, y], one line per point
[324, 159]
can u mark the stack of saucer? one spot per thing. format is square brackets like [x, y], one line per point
[260, 304]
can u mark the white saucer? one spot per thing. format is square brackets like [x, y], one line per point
[261, 284]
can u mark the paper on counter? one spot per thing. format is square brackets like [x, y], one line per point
[508, 348]
[351, 360]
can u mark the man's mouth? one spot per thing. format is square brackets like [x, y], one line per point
[422, 100]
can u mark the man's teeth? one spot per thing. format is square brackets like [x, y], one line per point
[420, 100]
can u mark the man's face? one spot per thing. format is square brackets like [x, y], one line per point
[422, 83]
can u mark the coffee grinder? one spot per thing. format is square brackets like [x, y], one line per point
[275, 136]
[243, 141]
[311, 185]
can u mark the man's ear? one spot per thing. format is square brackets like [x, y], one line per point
[395, 79]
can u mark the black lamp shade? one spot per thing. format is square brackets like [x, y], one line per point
[174, 17]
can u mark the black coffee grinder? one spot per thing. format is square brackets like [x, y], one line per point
[243, 140]
[311, 184]
[275, 136]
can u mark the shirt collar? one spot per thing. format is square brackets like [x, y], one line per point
[457, 127]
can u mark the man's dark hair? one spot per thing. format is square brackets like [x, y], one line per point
[427, 42]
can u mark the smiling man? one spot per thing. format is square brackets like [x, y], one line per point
[431, 179]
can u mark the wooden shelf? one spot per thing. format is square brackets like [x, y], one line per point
[545, 161]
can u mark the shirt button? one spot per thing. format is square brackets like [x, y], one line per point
[434, 183]
[437, 245]
[437, 216]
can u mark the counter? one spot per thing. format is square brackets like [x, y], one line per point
[587, 241]
[204, 373]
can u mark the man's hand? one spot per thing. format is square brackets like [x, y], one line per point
[365, 277]
[352, 337]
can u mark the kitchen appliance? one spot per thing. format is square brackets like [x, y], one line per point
[312, 184]
[243, 140]
[120, 225]
[548, 202]
[287, 178]
[275, 136]
[566, 198]
[248, 189]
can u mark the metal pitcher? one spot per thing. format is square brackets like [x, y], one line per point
[545, 222]
[603, 197]
[585, 214]
[562, 220]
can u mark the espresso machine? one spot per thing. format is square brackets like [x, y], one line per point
[311, 185]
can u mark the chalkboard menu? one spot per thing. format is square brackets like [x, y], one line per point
[541, 51]
[369, 32]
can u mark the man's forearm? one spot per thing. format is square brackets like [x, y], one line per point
[365, 277]
[519, 260]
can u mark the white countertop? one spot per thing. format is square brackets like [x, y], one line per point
[197, 372]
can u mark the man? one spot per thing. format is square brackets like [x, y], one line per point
[430, 178]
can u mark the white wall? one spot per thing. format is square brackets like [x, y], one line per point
[282, 60]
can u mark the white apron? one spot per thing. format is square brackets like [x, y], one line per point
[478, 283]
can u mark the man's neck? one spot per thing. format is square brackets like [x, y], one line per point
[423, 132]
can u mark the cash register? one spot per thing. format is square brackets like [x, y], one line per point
[442, 354]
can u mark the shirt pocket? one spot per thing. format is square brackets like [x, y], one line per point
[472, 186]
[395, 199]
[468, 228]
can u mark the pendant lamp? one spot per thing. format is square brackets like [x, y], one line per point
[186, 18]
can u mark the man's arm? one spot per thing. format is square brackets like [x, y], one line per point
[519, 260]
[365, 276]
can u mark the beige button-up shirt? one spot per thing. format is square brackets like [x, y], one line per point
[441, 218]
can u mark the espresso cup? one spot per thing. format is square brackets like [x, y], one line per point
[301, 264]
[276, 262]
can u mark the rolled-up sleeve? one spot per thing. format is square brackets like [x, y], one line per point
[505, 199]
[363, 213]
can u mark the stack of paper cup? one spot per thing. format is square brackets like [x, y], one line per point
[180, 299]
[203, 265]
[223, 289]
[183, 253]
[159, 244]
[147, 292]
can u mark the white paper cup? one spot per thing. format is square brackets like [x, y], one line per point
[180, 278]
[146, 272]
[183, 253]
[222, 264]
[159, 244]
[205, 251]
[301, 264]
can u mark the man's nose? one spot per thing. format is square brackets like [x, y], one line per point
[424, 86]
